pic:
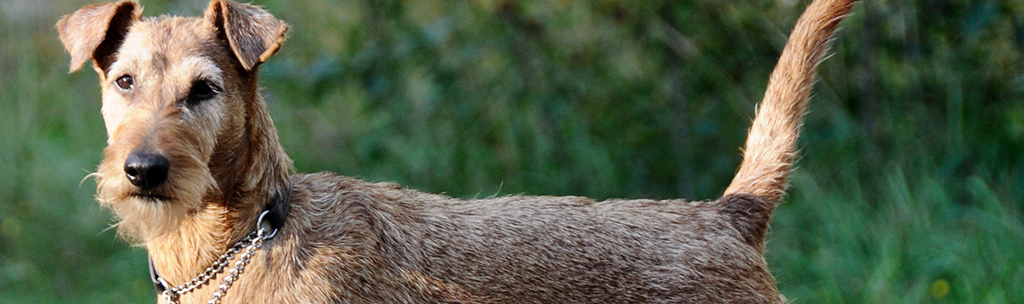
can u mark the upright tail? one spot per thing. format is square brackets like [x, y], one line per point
[771, 145]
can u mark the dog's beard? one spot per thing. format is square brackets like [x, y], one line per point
[146, 215]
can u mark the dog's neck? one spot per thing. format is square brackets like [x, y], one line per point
[199, 240]
[231, 212]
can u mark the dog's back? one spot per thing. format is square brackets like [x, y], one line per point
[535, 249]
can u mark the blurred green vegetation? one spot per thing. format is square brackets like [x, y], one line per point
[909, 189]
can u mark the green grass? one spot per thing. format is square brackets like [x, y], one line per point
[908, 189]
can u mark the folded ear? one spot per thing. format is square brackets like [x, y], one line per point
[96, 32]
[253, 33]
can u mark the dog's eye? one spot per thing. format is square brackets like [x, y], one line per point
[125, 82]
[202, 90]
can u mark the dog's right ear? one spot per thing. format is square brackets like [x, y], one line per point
[96, 32]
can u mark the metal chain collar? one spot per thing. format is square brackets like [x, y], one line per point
[251, 243]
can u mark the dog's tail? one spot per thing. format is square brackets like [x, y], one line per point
[760, 183]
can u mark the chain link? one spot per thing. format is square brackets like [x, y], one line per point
[239, 266]
[251, 243]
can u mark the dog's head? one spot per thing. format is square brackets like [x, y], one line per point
[180, 105]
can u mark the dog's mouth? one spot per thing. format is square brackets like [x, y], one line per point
[150, 197]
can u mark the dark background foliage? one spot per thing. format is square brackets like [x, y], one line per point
[908, 190]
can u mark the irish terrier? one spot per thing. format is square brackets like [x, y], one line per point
[195, 172]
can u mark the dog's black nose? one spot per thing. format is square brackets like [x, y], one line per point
[146, 170]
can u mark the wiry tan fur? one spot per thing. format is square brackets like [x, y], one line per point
[350, 241]
[771, 144]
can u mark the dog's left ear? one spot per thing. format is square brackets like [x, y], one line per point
[253, 33]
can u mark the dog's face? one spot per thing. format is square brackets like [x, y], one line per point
[175, 101]
[169, 98]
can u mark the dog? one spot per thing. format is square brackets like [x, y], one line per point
[195, 172]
